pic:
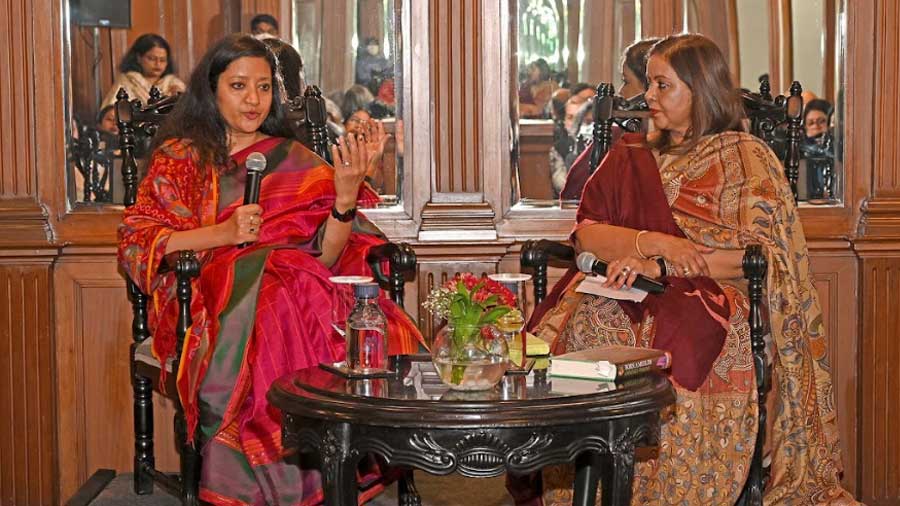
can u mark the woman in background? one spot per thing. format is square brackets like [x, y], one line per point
[147, 63]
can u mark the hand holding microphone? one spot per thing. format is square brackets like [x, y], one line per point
[588, 263]
[248, 217]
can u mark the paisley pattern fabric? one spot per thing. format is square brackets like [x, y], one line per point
[727, 192]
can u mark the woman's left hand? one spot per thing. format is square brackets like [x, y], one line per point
[624, 271]
[350, 160]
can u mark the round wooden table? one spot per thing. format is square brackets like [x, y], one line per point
[525, 423]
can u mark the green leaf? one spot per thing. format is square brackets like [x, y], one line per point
[492, 315]
[457, 309]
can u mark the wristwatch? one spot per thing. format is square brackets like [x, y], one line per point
[345, 217]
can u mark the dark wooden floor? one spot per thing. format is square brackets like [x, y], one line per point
[435, 491]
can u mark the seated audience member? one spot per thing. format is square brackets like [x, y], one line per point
[358, 121]
[634, 82]
[371, 66]
[265, 301]
[147, 63]
[816, 115]
[264, 26]
[681, 203]
[566, 142]
[817, 163]
[106, 120]
[536, 91]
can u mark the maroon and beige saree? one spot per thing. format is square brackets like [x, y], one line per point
[726, 192]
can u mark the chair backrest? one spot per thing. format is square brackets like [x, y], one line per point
[91, 153]
[307, 118]
[767, 116]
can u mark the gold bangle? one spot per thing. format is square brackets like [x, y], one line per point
[637, 246]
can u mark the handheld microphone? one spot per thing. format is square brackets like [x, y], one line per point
[588, 263]
[256, 164]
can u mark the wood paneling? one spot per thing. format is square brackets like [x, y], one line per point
[27, 440]
[880, 382]
[835, 276]
[661, 17]
[94, 391]
[17, 172]
[886, 179]
[456, 80]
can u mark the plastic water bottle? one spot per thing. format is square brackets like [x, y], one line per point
[366, 331]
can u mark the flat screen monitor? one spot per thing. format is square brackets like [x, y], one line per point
[105, 13]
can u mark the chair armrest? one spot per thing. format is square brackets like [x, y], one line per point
[402, 261]
[187, 267]
[537, 254]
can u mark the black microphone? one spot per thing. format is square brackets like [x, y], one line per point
[256, 164]
[588, 263]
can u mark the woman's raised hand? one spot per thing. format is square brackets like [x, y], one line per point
[350, 162]
[243, 226]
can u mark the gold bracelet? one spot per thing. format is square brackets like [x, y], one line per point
[637, 246]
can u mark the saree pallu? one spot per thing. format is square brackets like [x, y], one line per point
[726, 192]
[258, 312]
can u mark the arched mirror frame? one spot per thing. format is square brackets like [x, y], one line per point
[548, 219]
[95, 224]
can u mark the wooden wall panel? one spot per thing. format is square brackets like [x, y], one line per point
[880, 403]
[835, 276]
[661, 17]
[456, 34]
[886, 179]
[27, 440]
[93, 329]
[17, 172]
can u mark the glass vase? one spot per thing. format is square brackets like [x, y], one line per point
[470, 357]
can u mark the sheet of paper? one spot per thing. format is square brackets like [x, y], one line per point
[594, 285]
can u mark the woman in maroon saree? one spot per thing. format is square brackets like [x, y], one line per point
[264, 310]
[682, 204]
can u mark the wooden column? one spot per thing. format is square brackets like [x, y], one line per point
[600, 26]
[660, 18]
[457, 209]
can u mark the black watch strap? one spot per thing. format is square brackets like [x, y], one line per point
[344, 217]
[662, 267]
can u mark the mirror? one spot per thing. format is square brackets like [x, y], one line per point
[563, 49]
[351, 50]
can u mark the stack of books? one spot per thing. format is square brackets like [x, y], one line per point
[609, 363]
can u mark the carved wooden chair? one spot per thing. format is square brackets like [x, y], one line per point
[136, 120]
[765, 115]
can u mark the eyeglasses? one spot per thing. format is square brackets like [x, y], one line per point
[817, 122]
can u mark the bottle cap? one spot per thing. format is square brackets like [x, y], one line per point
[366, 290]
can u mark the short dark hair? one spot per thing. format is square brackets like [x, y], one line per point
[356, 98]
[290, 66]
[636, 59]
[818, 104]
[131, 60]
[102, 113]
[263, 18]
[196, 117]
[579, 87]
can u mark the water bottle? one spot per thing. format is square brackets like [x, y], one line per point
[367, 344]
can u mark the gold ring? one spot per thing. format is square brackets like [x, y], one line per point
[626, 270]
[686, 271]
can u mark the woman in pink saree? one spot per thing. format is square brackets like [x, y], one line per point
[262, 311]
[681, 204]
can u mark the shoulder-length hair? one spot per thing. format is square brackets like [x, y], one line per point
[196, 117]
[716, 104]
[131, 60]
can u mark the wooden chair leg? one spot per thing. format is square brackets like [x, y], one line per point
[190, 464]
[143, 434]
[407, 495]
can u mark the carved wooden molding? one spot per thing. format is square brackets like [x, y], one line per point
[457, 222]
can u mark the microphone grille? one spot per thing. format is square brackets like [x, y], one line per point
[256, 162]
[585, 261]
